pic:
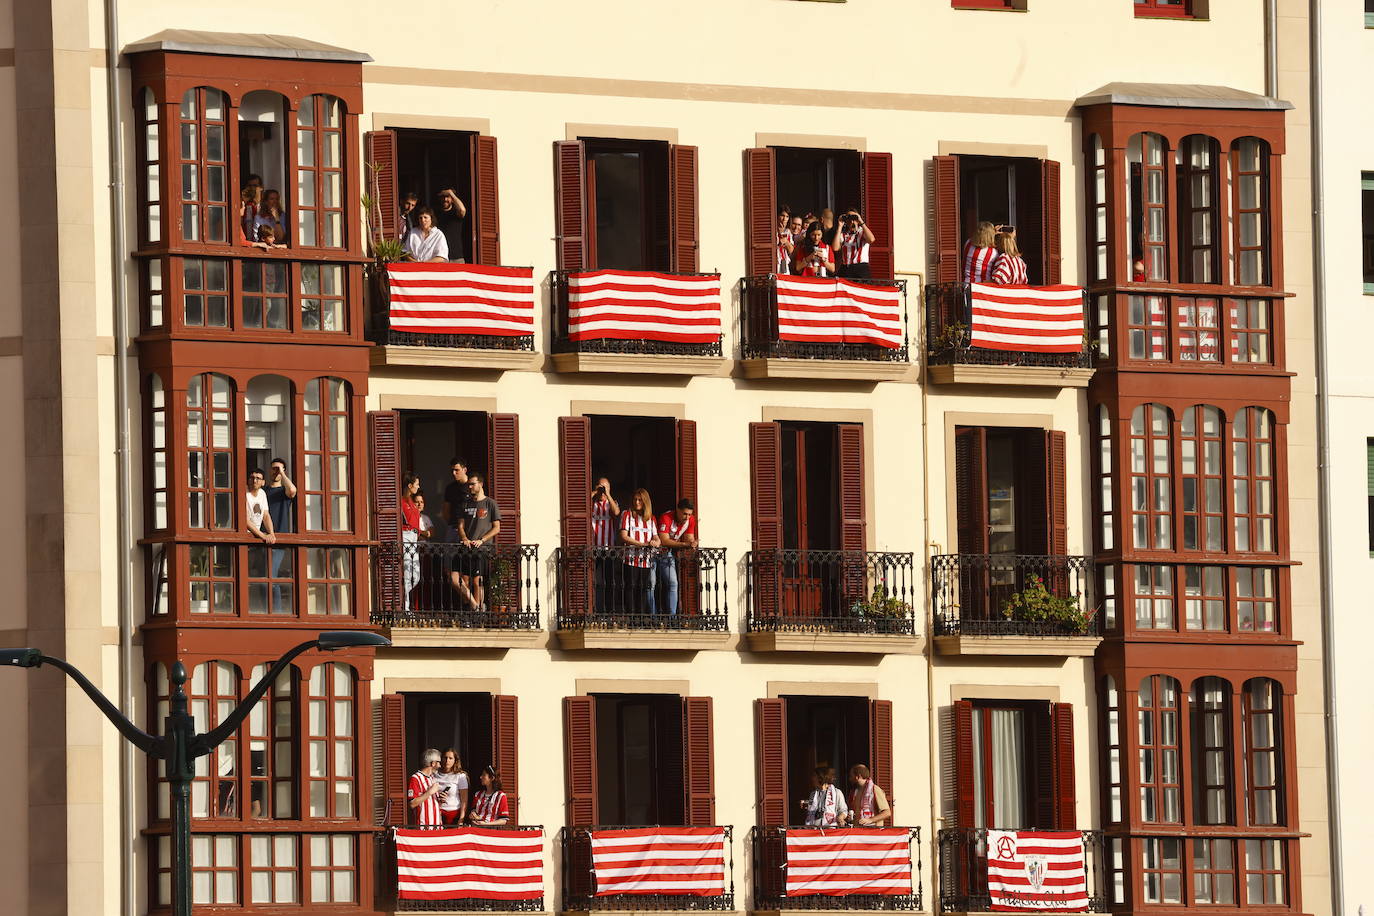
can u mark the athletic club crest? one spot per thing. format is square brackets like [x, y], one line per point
[1035, 871]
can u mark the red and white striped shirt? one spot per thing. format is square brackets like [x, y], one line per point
[641, 531]
[427, 814]
[804, 260]
[1010, 270]
[669, 525]
[784, 259]
[603, 524]
[491, 806]
[978, 263]
[853, 248]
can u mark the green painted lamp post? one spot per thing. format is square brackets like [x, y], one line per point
[179, 745]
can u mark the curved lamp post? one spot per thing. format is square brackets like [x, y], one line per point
[179, 745]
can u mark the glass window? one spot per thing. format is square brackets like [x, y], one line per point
[154, 299]
[204, 165]
[1264, 872]
[1204, 597]
[205, 296]
[271, 748]
[157, 436]
[329, 729]
[1112, 713]
[329, 577]
[1147, 213]
[1250, 325]
[214, 869]
[1214, 872]
[1252, 469]
[1199, 334]
[332, 868]
[266, 295]
[322, 298]
[1106, 474]
[1147, 330]
[327, 450]
[1162, 869]
[1211, 740]
[212, 693]
[1154, 597]
[1198, 212]
[1263, 760]
[1151, 484]
[1202, 467]
[272, 869]
[150, 161]
[1158, 739]
[210, 578]
[1367, 227]
[209, 452]
[1097, 209]
[1256, 606]
[319, 171]
[271, 579]
[1250, 176]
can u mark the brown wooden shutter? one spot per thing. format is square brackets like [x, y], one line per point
[575, 460]
[570, 204]
[579, 735]
[1065, 791]
[970, 489]
[505, 754]
[880, 750]
[765, 478]
[771, 727]
[1041, 754]
[945, 218]
[382, 429]
[877, 195]
[852, 521]
[486, 199]
[380, 150]
[1056, 492]
[503, 473]
[394, 757]
[683, 208]
[964, 813]
[760, 212]
[1049, 221]
[698, 762]
[689, 583]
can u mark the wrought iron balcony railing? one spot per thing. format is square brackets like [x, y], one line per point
[563, 343]
[771, 871]
[582, 894]
[949, 318]
[389, 901]
[760, 338]
[835, 591]
[1013, 595]
[639, 588]
[421, 584]
[963, 871]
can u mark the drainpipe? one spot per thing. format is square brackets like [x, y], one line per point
[1271, 48]
[124, 551]
[1324, 488]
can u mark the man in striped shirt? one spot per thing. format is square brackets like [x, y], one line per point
[423, 791]
[677, 528]
[604, 517]
[850, 242]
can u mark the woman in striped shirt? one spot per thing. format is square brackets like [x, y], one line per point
[638, 527]
[490, 808]
[979, 253]
[1010, 267]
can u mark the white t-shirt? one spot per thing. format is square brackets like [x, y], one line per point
[257, 508]
[456, 782]
[427, 247]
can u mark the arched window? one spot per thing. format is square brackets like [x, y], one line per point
[204, 165]
[1198, 212]
[1250, 199]
[1202, 467]
[209, 452]
[263, 120]
[1097, 208]
[1263, 753]
[1147, 214]
[267, 431]
[1112, 711]
[1151, 485]
[150, 163]
[270, 733]
[1252, 469]
[327, 438]
[330, 731]
[1211, 740]
[157, 443]
[319, 171]
[1157, 726]
[212, 693]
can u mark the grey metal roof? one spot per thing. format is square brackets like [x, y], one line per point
[1177, 95]
[244, 44]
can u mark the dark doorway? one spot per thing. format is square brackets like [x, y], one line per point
[627, 193]
[811, 180]
[461, 721]
[429, 161]
[430, 438]
[1007, 191]
[633, 452]
[810, 486]
[639, 759]
[823, 731]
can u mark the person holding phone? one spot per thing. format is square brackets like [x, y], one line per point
[423, 793]
[813, 257]
[604, 515]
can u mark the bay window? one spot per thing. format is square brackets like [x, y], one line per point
[1263, 752]
[204, 165]
[209, 452]
[1250, 196]
[1157, 727]
[1211, 740]
[319, 172]
[1151, 483]
[327, 448]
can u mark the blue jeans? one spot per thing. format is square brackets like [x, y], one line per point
[665, 572]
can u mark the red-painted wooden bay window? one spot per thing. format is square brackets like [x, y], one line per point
[320, 156]
[1159, 739]
[203, 165]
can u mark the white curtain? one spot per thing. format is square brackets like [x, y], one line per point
[1008, 768]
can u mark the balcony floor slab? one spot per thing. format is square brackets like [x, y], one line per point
[1032, 376]
[453, 358]
[1048, 646]
[463, 638]
[641, 363]
[845, 912]
[854, 370]
[644, 640]
[853, 643]
[618, 912]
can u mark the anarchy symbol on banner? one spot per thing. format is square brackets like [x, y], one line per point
[1006, 848]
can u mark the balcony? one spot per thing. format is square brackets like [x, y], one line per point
[603, 600]
[703, 856]
[1014, 604]
[479, 893]
[786, 876]
[831, 601]
[833, 330]
[453, 316]
[954, 356]
[636, 322]
[438, 615]
[963, 875]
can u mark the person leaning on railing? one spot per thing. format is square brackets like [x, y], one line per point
[676, 528]
[868, 801]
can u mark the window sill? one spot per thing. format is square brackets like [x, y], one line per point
[463, 638]
[454, 358]
[1022, 646]
[1030, 376]
[640, 364]
[992, 9]
[854, 370]
[851, 643]
[1171, 17]
[645, 640]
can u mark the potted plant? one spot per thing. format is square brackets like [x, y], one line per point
[499, 588]
[880, 606]
[1037, 604]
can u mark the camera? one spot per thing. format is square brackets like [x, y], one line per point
[600, 490]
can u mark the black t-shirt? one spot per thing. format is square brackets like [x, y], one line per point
[455, 494]
[279, 509]
[451, 225]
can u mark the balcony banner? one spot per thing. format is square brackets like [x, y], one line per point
[855, 860]
[642, 305]
[1028, 319]
[445, 298]
[834, 311]
[479, 863]
[1035, 870]
[659, 860]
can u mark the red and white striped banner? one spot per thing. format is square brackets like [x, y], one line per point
[856, 860]
[1037, 870]
[436, 297]
[1029, 319]
[659, 860]
[469, 862]
[642, 305]
[831, 310]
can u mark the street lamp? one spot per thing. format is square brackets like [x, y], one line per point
[179, 745]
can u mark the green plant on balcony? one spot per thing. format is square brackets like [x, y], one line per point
[880, 605]
[1037, 604]
[954, 336]
[384, 250]
[499, 587]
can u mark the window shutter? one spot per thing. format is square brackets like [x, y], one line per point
[760, 212]
[1065, 800]
[503, 473]
[698, 762]
[962, 714]
[505, 731]
[394, 757]
[380, 149]
[682, 195]
[877, 196]
[1049, 221]
[575, 459]
[765, 473]
[1056, 492]
[486, 197]
[852, 521]
[570, 204]
[945, 218]
[970, 488]
[689, 582]
[1043, 808]
[579, 725]
[382, 430]
[771, 722]
[880, 750]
